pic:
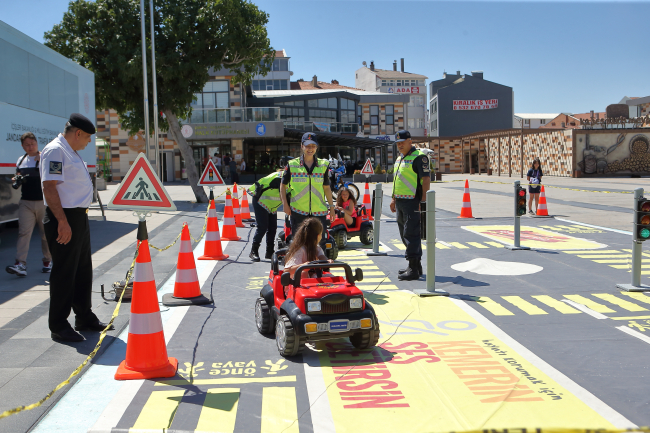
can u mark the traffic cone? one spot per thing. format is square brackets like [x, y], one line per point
[235, 207]
[187, 290]
[245, 208]
[466, 210]
[367, 201]
[146, 352]
[541, 209]
[229, 232]
[212, 249]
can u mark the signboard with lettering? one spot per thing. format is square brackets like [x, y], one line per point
[405, 89]
[208, 131]
[476, 104]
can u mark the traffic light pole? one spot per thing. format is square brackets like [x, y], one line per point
[430, 215]
[517, 229]
[636, 285]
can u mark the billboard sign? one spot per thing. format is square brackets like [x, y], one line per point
[476, 104]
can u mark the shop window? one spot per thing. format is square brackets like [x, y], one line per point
[374, 130]
[374, 114]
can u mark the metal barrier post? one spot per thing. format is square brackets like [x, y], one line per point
[517, 228]
[430, 215]
[378, 195]
[636, 285]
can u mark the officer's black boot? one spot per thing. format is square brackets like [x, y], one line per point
[401, 271]
[412, 272]
[254, 255]
[270, 249]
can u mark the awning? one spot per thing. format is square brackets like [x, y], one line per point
[331, 139]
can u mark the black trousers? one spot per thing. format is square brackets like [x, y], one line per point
[297, 219]
[408, 222]
[267, 224]
[71, 279]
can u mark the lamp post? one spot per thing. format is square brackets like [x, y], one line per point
[144, 81]
[156, 147]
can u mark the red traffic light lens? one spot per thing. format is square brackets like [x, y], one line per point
[523, 193]
[645, 207]
[645, 220]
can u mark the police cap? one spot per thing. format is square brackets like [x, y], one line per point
[402, 136]
[82, 122]
[309, 138]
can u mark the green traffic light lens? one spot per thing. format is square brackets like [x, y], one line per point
[644, 233]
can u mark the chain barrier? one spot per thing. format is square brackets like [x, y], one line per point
[88, 358]
[535, 184]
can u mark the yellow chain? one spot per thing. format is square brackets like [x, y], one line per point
[88, 358]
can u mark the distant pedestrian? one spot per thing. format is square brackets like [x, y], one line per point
[31, 209]
[242, 166]
[217, 162]
[67, 192]
[534, 178]
[234, 177]
[226, 165]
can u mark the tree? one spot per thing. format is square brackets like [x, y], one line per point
[191, 36]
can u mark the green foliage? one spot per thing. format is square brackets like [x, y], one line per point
[378, 169]
[191, 36]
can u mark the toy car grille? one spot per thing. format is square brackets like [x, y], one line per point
[343, 307]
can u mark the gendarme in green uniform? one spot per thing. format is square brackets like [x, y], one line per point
[406, 179]
[269, 197]
[307, 194]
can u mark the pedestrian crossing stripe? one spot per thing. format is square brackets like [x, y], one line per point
[544, 304]
[457, 245]
[219, 409]
[279, 410]
[613, 258]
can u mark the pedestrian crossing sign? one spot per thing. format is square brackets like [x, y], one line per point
[141, 189]
[367, 168]
[210, 176]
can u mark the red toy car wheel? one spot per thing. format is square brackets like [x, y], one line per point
[263, 317]
[289, 344]
[364, 340]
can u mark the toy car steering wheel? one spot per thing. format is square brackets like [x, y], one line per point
[319, 271]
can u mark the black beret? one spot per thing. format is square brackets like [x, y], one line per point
[82, 122]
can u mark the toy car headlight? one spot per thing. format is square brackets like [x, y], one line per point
[356, 303]
[313, 306]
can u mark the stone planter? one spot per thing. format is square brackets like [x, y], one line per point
[100, 182]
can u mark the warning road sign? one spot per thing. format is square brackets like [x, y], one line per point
[367, 168]
[141, 189]
[211, 176]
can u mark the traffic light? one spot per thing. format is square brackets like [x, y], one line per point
[520, 201]
[642, 220]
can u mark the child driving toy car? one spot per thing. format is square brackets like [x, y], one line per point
[346, 203]
[304, 247]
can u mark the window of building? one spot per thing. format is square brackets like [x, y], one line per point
[542, 121]
[322, 116]
[281, 64]
[374, 129]
[270, 85]
[216, 94]
[416, 101]
[390, 118]
[360, 115]
[562, 124]
[527, 122]
[348, 111]
[374, 114]
[434, 107]
[434, 125]
[416, 123]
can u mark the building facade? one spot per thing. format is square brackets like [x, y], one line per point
[278, 78]
[532, 120]
[461, 104]
[401, 83]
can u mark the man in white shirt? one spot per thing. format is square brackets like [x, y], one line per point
[31, 209]
[217, 162]
[67, 191]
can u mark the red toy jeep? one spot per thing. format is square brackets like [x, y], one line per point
[314, 309]
[362, 227]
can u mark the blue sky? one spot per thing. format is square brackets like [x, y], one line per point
[557, 56]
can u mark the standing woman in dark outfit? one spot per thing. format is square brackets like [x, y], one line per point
[534, 178]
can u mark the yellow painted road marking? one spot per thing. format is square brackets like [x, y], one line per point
[592, 252]
[219, 410]
[494, 307]
[378, 288]
[628, 266]
[637, 296]
[495, 244]
[159, 410]
[612, 261]
[258, 278]
[599, 308]
[375, 280]
[362, 262]
[562, 307]
[359, 257]
[441, 246]
[279, 410]
[627, 305]
[645, 254]
[340, 272]
[400, 247]
[523, 305]
[630, 318]
[458, 245]
[619, 256]
[477, 245]
[226, 381]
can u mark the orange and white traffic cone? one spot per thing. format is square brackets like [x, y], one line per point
[245, 208]
[367, 201]
[146, 352]
[541, 209]
[187, 290]
[229, 232]
[212, 249]
[466, 210]
[235, 207]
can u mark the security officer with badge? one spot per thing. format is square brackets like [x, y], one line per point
[310, 185]
[266, 201]
[412, 181]
[67, 192]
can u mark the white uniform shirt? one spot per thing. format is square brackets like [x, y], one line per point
[62, 164]
[217, 161]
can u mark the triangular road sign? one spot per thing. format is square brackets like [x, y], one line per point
[141, 189]
[367, 168]
[210, 176]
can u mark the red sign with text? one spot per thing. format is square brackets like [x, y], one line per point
[476, 104]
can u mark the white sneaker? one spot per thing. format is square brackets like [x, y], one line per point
[531, 212]
[47, 267]
[18, 269]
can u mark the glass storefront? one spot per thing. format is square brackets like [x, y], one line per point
[202, 150]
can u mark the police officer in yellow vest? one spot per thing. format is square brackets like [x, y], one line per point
[309, 180]
[266, 201]
[412, 181]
